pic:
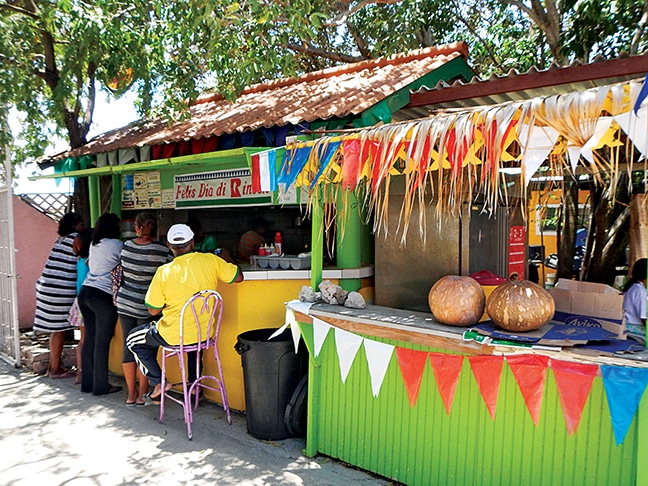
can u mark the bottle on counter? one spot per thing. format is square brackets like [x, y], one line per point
[278, 241]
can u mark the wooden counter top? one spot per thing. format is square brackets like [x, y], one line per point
[421, 328]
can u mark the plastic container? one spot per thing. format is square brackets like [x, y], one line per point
[271, 373]
[285, 262]
[278, 242]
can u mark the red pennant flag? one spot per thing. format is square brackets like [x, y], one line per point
[487, 371]
[447, 368]
[574, 382]
[351, 164]
[412, 365]
[256, 173]
[530, 371]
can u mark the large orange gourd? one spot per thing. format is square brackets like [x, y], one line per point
[520, 305]
[457, 300]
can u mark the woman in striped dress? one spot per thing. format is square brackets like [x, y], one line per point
[140, 258]
[55, 293]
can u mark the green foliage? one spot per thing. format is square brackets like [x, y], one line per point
[54, 55]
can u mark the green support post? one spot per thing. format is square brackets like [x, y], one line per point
[115, 202]
[95, 199]
[642, 442]
[348, 237]
[317, 238]
[312, 422]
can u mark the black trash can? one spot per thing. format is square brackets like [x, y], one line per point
[271, 372]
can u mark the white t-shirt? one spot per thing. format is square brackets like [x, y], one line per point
[103, 257]
[634, 304]
[634, 310]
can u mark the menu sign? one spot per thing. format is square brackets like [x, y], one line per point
[141, 190]
[218, 188]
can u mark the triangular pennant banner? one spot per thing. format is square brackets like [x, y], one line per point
[530, 372]
[412, 364]
[602, 126]
[447, 368]
[623, 387]
[574, 382]
[487, 371]
[378, 358]
[537, 143]
[642, 95]
[320, 331]
[636, 128]
[347, 345]
[296, 335]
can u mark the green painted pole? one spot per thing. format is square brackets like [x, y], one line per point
[642, 443]
[312, 422]
[95, 199]
[317, 238]
[115, 202]
[348, 237]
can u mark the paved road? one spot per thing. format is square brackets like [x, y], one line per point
[52, 434]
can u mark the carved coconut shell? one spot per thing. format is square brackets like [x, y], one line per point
[520, 305]
[457, 301]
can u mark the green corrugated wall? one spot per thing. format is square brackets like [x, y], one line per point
[422, 445]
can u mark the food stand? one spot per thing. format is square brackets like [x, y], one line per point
[208, 166]
[393, 391]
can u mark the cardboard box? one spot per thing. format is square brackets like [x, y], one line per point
[590, 305]
[551, 334]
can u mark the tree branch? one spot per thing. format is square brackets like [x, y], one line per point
[7, 6]
[313, 51]
[639, 30]
[90, 102]
[361, 43]
[342, 17]
[547, 20]
[472, 30]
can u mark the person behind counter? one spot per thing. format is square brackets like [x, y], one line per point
[197, 271]
[252, 239]
[634, 301]
[202, 243]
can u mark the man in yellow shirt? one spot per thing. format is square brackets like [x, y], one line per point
[172, 285]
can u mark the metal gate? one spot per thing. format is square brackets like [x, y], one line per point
[9, 332]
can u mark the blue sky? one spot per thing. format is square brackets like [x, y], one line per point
[108, 116]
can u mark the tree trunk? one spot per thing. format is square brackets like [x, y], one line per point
[567, 240]
[608, 233]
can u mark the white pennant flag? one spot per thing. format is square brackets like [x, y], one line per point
[574, 154]
[347, 345]
[299, 306]
[320, 331]
[602, 126]
[290, 320]
[636, 128]
[378, 357]
[537, 143]
[296, 335]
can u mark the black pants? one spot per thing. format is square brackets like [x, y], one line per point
[144, 342]
[100, 318]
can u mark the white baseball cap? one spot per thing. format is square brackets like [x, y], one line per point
[179, 234]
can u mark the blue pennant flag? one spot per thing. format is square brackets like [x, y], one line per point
[624, 387]
[642, 95]
[287, 175]
[325, 160]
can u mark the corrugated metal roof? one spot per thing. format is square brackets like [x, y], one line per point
[522, 86]
[335, 92]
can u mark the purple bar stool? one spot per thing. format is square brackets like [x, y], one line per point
[206, 303]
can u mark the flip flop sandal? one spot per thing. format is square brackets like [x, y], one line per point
[65, 374]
